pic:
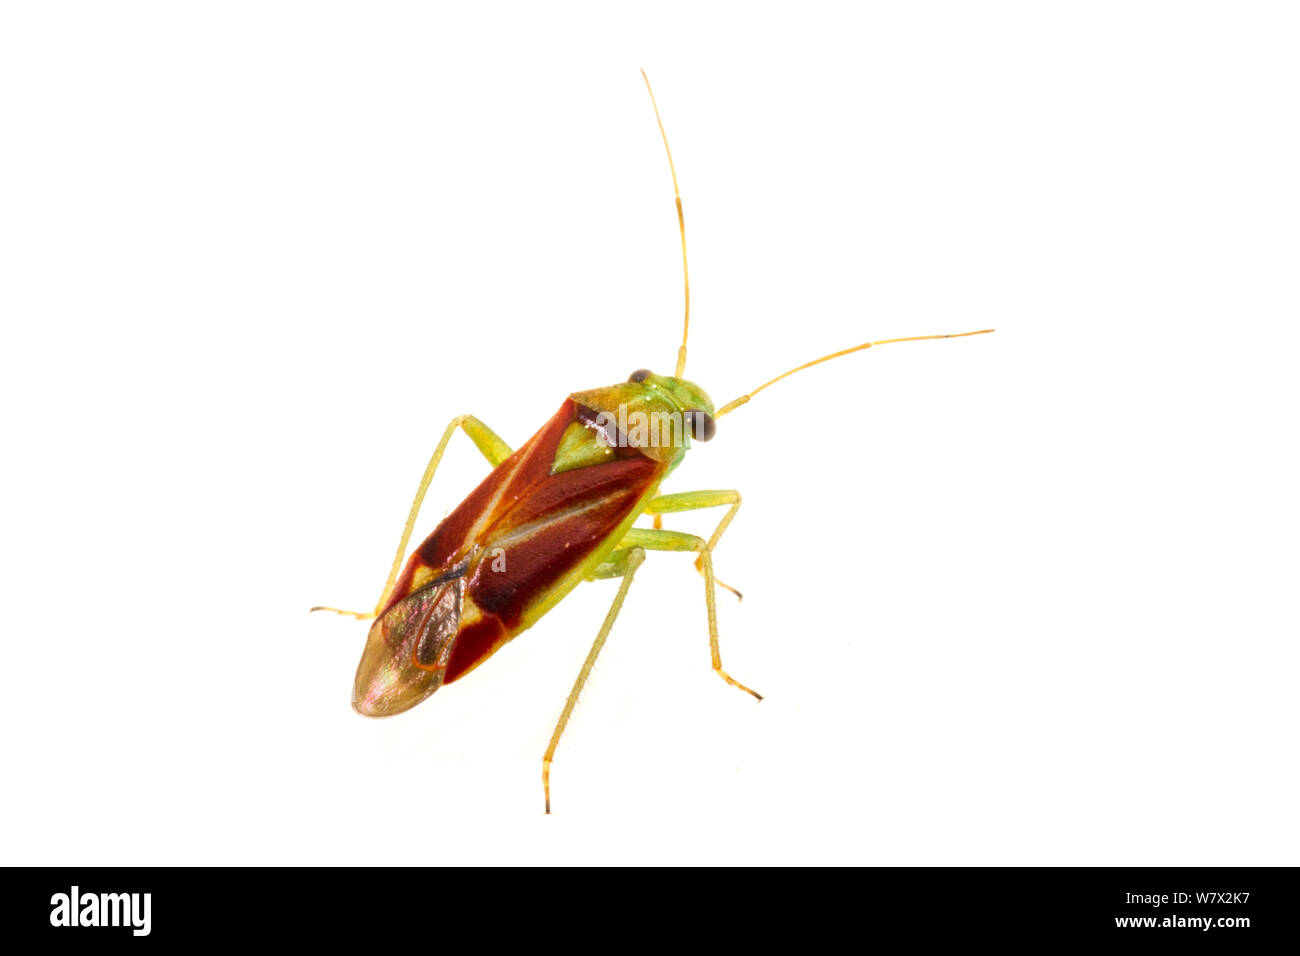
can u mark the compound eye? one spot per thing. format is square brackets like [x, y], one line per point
[701, 424]
[640, 375]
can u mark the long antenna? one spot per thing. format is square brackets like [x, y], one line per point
[736, 403]
[681, 225]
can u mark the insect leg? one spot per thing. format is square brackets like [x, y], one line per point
[653, 540]
[614, 566]
[622, 563]
[494, 449]
[693, 501]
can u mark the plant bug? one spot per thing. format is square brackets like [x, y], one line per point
[554, 513]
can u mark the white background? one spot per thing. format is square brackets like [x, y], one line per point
[1021, 598]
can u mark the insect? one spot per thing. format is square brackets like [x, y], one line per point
[556, 512]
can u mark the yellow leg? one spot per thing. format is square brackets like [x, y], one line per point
[653, 540]
[693, 501]
[359, 615]
[625, 563]
[494, 449]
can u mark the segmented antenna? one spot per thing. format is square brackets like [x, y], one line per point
[681, 225]
[734, 404]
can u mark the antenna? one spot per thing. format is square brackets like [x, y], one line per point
[736, 403]
[681, 225]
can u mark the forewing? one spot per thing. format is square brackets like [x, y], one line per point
[408, 648]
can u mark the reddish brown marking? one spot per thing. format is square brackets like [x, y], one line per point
[537, 563]
[572, 489]
[529, 464]
[563, 518]
[474, 644]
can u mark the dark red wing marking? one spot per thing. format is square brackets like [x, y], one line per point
[553, 529]
[474, 643]
[538, 525]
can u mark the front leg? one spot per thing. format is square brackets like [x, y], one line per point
[653, 540]
[694, 501]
